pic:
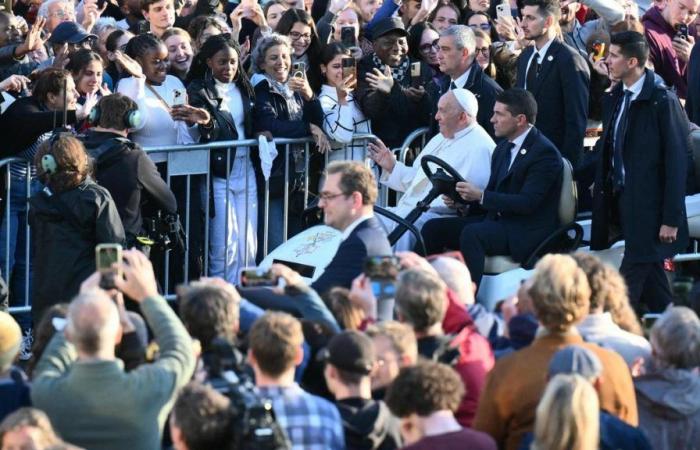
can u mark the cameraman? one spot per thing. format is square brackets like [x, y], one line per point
[122, 167]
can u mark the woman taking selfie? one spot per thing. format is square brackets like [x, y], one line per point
[298, 25]
[218, 84]
[342, 115]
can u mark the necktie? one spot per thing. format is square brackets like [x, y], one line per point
[453, 85]
[505, 167]
[533, 71]
[621, 128]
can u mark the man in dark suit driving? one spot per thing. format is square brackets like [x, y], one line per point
[520, 201]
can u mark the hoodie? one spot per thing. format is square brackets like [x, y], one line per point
[669, 408]
[660, 34]
[368, 425]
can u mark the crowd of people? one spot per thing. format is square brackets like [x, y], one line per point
[508, 93]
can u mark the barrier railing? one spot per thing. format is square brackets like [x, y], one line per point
[189, 173]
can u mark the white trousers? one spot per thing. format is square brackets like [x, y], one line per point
[408, 240]
[233, 229]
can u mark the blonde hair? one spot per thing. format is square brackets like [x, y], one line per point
[400, 335]
[609, 291]
[568, 415]
[560, 292]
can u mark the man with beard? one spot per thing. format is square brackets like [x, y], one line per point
[557, 76]
[576, 34]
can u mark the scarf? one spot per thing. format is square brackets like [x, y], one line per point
[398, 73]
[293, 107]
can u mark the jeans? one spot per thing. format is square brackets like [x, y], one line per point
[14, 263]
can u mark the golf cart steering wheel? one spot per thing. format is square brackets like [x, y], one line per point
[444, 179]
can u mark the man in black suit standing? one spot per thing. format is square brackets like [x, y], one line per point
[521, 198]
[457, 59]
[557, 76]
[641, 176]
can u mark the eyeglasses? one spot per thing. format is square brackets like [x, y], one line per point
[481, 26]
[327, 196]
[483, 50]
[295, 35]
[61, 14]
[435, 45]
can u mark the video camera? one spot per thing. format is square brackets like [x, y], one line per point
[166, 232]
[255, 418]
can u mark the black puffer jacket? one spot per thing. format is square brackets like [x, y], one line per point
[64, 236]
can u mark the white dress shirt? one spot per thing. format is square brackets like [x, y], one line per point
[462, 79]
[540, 54]
[518, 141]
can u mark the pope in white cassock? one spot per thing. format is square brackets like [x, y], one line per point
[462, 143]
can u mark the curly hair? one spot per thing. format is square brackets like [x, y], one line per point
[608, 291]
[72, 164]
[265, 43]
[425, 388]
[49, 81]
[209, 312]
[560, 292]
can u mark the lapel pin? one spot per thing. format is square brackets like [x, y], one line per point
[550, 58]
[523, 151]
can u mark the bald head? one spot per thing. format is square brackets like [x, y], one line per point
[93, 324]
[456, 276]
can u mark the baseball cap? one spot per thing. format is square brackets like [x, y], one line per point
[574, 359]
[388, 25]
[350, 351]
[69, 32]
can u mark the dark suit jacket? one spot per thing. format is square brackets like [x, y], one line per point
[655, 162]
[525, 198]
[484, 88]
[561, 91]
[367, 239]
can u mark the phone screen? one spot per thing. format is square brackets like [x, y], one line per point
[106, 255]
[257, 278]
[385, 268]
[349, 67]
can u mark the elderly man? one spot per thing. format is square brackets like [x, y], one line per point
[55, 12]
[83, 388]
[457, 57]
[462, 143]
[560, 295]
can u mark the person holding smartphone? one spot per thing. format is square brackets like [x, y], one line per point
[342, 116]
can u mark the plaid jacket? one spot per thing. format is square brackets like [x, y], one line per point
[311, 422]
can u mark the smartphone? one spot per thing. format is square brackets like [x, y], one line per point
[179, 97]
[349, 67]
[299, 69]
[598, 50]
[649, 319]
[347, 37]
[256, 277]
[105, 256]
[682, 31]
[382, 267]
[144, 27]
[503, 10]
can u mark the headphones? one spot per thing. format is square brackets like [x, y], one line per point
[131, 119]
[48, 162]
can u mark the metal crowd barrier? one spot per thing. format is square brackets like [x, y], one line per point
[190, 164]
